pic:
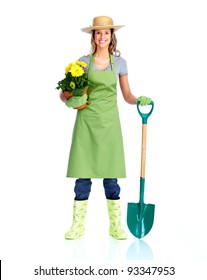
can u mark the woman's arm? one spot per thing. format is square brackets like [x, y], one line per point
[125, 88]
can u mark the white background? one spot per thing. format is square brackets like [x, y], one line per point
[164, 43]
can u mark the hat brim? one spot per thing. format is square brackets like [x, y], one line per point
[91, 28]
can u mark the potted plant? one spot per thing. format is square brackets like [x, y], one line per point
[76, 80]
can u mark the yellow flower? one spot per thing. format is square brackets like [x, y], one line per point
[72, 85]
[76, 78]
[76, 71]
[67, 68]
[81, 63]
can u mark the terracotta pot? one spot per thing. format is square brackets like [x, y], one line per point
[85, 91]
[80, 107]
[67, 94]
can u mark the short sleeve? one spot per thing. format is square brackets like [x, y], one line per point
[120, 66]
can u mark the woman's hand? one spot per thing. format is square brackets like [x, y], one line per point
[144, 100]
[76, 101]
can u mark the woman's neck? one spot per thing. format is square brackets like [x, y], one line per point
[102, 59]
[102, 53]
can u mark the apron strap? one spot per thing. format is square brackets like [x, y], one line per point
[112, 62]
[91, 62]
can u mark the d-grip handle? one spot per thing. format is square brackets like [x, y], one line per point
[145, 116]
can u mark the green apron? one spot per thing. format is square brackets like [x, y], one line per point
[97, 146]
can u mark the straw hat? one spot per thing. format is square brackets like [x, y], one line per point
[102, 22]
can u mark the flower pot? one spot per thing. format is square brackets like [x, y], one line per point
[67, 94]
[80, 107]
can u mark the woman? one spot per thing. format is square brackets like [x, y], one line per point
[97, 145]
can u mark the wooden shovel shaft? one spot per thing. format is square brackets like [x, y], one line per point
[143, 150]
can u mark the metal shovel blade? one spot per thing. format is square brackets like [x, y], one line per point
[140, 218]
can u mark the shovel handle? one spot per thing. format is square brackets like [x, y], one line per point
[145, 116]
[143, 150]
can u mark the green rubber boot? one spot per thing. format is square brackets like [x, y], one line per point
[79, 212]
[114, 210]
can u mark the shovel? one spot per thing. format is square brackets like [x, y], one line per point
[140, 216]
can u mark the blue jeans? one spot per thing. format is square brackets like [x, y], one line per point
[83, 188]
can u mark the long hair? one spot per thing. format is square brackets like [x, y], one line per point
[112, 45]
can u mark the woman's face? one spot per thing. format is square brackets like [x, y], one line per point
[102, 37]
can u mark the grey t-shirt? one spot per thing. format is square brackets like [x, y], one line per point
[119, 63]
